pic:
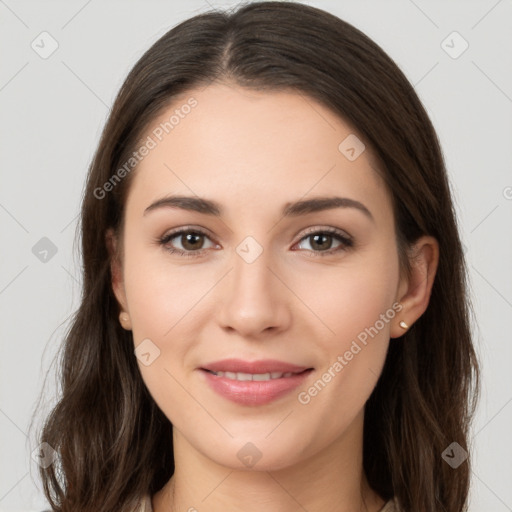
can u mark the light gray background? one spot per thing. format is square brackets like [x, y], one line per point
[52, 112]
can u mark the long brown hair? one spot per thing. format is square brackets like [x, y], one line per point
[113, 443]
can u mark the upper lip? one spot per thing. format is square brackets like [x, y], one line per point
[254, 367]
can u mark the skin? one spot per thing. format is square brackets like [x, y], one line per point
[253, 152]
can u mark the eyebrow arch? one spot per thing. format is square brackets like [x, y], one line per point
[209, 207]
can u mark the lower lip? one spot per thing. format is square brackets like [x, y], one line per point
[249, 392]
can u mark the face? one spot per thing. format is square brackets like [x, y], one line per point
[293, 303]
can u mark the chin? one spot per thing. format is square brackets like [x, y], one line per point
[258, 454]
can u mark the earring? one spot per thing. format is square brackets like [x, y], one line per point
[124, 320]
[403, 325]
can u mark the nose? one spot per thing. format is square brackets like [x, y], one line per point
[253, 300]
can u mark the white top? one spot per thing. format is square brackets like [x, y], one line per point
[390, 506]
[145, 506]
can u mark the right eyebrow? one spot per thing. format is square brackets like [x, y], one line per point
[196, 204]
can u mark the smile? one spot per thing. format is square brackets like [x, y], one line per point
[253, 376]
[253, 383]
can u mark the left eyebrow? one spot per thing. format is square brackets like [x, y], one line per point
[209, 207]
[324, 203]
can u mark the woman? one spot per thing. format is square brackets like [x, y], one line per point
[274, 313]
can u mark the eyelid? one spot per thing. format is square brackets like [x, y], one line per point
[326, 229]
[186, 229]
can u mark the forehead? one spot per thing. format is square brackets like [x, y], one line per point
[242, 145]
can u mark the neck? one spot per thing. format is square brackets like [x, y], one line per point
[331, 481]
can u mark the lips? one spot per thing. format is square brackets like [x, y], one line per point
[253, 382]
[253, 367]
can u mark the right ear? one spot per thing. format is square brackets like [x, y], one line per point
[116, 268]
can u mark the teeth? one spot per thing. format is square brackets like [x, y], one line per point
[253, 376]
[262, 376]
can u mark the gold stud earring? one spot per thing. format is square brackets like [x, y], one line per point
[403, 325]
[124, 320]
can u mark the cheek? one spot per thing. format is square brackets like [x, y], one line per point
[160, 294]
[168, 305]
[356, 304]
[352, 298]
[165, 307]
[352, 356]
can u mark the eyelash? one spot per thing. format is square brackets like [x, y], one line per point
[346, 242]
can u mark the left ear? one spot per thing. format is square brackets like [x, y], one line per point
[414, 293]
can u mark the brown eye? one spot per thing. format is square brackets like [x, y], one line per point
[321, 242]
[326, 242]
[192, 241]
[186, 242]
